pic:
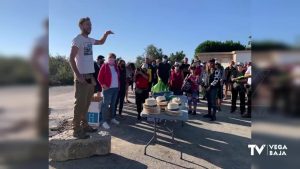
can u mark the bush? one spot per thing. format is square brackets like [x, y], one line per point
[15, 70]
[60, 71]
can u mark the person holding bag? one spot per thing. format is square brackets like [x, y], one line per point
[141, 78]
[190, 87]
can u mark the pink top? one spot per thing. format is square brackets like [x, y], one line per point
[194, 80]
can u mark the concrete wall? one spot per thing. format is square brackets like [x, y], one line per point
[242, 56]
[222, 57]
[226, 57]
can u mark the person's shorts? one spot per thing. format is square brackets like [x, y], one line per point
[193, 95]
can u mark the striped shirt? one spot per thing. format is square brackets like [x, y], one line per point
[216, 77]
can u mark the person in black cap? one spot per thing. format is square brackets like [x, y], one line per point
[97, 65]
[238, 88]
[212, 89]
[163, 70]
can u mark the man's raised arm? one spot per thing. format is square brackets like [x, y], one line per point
[104, 37]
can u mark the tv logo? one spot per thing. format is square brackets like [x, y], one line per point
[272, 149]
[255, 147]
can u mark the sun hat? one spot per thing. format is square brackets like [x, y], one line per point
[161, 100]
[150, 106]
[176, 100]
[173, 109]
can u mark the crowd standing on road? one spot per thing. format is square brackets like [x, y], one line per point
[112, 79]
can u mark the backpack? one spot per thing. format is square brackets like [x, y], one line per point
[187, 85]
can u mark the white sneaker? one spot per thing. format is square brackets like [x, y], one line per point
[105, 125]
[115, 121]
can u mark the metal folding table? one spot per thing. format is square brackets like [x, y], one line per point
[165, 117]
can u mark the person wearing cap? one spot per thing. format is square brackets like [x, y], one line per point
[238, 88]
[141, 78]
[109, 80]
[176, 80]
[97, 65]
[163, 70]
[81, 61]
[212, 89]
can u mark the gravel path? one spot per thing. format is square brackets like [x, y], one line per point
[220, 144]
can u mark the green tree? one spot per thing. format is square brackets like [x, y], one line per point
[139, 60]
[153, 52]
[218, 46]
[177, 57]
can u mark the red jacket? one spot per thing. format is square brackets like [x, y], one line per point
[176, 79]
[198, 70]
[104, 76]
[141, 82]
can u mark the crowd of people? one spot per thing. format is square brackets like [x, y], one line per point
[209, 79]
[113, 78]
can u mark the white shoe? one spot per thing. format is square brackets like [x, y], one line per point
[105, 125]
[115, 121]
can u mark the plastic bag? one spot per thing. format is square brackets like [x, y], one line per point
[159, 87]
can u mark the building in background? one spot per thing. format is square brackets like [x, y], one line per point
[225, 57]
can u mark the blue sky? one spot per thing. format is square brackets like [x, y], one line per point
[172, 25]
[21, 24]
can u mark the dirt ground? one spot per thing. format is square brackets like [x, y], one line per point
[205, 144]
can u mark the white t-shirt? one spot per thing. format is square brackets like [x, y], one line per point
[114, 77]
[84, 58]
[248, 71]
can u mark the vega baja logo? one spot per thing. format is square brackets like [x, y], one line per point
[271, 150]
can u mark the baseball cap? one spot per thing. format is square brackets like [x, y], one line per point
[100, 57]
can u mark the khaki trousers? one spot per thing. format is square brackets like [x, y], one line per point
[83, 96]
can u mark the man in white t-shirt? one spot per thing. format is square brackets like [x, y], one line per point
[81, 61]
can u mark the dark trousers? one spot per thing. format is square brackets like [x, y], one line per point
[140, 97]
[241, 92]
[120, 99]
[150, 86]
[211, 96]
[249, 97]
